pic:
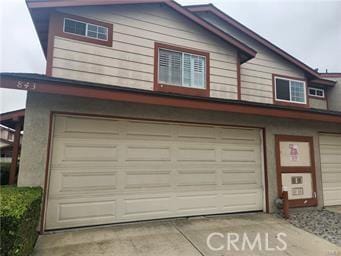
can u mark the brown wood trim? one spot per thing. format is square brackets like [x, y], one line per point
[323, 82]
[311, 169]
[162, 100]
[52, 27]
[265, 161]
[283, 103]
[58, 24]
[70, 3]
[239, 93]
[335, 75]
[179, 89]
[51, 120]
[13, 115]
[211, 8]
[285, 198]
[47, 164]
[15, 153]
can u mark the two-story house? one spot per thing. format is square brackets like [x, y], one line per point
[149, 109]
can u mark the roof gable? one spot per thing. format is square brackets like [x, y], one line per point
[217, 12]
[39, 8]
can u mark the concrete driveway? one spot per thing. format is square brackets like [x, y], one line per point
[188, 237]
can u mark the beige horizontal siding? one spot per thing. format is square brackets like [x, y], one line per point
[222, 94]
[103, 51]
[130, 62]
[255, 98]
[61, 54]
[104, 70]
[318, 103]
[101, 79]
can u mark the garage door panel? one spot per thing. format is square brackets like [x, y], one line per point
[70, 151]
[199, 202]
[78, 211]
[202, 178]
[139, 129]
[330, 154]
[75, 182]
[332, 177]
[93, 126]
[89, 152]
[333, 195]
[198, 153]
[328, 140]
[239, 154]
[242, 200]
[242, 135]
[145, 179]
[244, 178]
[197, 132]
[332, 158]
[147, 206]
[145, 170]
[145, 152]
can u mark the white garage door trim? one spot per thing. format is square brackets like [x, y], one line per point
[160, 204]
[330, 155]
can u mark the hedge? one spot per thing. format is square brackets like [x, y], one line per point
[19, 216]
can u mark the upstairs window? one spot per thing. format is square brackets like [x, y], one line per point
[290, 90]
[182, 69]
[85, 29]
[316, 92]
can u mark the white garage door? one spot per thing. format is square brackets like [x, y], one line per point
[117, 170]
[330, 149]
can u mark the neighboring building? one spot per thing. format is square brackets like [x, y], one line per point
[6, 144]
[11, 133]
[152, 110]
[334, 95]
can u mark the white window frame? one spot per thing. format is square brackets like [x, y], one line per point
[182, 70]
[295, 80]
[316, 89]
[86, 29]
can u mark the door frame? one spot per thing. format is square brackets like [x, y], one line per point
[309, 169]
[52, 115]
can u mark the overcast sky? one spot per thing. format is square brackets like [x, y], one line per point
[309, 30]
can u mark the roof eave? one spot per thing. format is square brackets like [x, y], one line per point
[60, 86]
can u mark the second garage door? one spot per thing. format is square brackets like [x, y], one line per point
[117, 170]
[330, 150]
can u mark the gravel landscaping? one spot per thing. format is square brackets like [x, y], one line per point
[323, 223]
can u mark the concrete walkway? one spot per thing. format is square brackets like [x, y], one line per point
[186, 237]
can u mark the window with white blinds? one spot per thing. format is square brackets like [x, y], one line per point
[182, 69]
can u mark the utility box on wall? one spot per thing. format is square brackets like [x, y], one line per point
[298, 185]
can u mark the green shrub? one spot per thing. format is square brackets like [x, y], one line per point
[19, 216]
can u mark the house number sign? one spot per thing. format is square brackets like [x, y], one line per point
[26, 85]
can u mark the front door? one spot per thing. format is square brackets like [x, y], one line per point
[296, 169]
